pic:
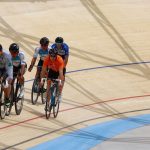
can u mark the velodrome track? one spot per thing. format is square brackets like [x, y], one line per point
[106, 98]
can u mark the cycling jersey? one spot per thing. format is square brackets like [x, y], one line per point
[6, 63]
[19, 60]
[64, 51]
[54, 65]
[41, 52]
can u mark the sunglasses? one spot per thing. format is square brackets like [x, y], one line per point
[44, 45]
[59, 43]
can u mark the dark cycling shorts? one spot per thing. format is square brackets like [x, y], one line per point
[53, 74]
[40, 64]
[17, 70]
[2, 72]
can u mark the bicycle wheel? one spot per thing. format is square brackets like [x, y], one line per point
[43, 93]
[48, 110]
[11, 101]
[3, 107]
[56, 102]
[35, 92]
[18, 101]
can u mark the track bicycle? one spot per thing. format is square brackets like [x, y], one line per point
[37, 91]
[16, 100]
[53, 105]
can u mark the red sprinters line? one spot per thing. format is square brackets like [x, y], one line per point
[111, 100]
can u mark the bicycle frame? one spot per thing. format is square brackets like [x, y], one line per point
[54, 103]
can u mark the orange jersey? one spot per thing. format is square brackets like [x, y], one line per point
[55, 65]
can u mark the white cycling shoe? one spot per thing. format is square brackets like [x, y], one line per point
[60, 98]
[21, 92]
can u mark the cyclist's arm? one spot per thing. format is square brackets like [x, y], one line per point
[44, 67]
[9, 66]
[34, 59]
[66, 54]
[61, 76]
[61, 66]
[23, 63]
[66, 60]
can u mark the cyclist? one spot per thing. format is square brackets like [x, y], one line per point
[6, 71]
[54, 63]
[42, 51]
[63, 51]
[19, 65]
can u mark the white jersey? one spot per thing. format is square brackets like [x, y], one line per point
[19, 60]
[6, 63]
[41, 52]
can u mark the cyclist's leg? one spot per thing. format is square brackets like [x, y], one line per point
[60, 90]
[39, 68]
[51, 75]
[21, 80]
[7, 90]
[48, 94]
[38, 73]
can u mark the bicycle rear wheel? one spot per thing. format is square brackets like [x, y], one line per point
[18, 101]
[3, 107]
[35, 92]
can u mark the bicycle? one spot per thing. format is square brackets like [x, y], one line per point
[54, 101]
[37, 91]
[16, 90]
[3, 107]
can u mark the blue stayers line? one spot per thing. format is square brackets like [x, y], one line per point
[111, 66]
[89, 137]
[102, 67]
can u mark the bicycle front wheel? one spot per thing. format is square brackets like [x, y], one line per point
[11, 101]
[35, 92]
[56, 108]
[18, 101]
[3, 108]
[48, 109]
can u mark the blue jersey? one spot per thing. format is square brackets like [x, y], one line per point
[64, 51]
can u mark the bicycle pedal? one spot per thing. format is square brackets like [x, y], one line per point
[47, 109]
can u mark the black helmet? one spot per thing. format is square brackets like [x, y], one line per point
[59, 40]
[53, 52]
[44, 41]
[14, 47]
[1, 48]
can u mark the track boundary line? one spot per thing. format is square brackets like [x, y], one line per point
[77, 107]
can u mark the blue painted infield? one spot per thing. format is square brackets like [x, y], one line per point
[89, 137]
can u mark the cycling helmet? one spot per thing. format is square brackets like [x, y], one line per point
[59, 40]
[44, 41]
[14, 47]
[53, 52]
[1, 48]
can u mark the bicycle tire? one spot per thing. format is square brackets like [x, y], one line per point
[56, 108]
[56, 102]
[48, 111]
[35, 90]
[18, 101]
[2, 104]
